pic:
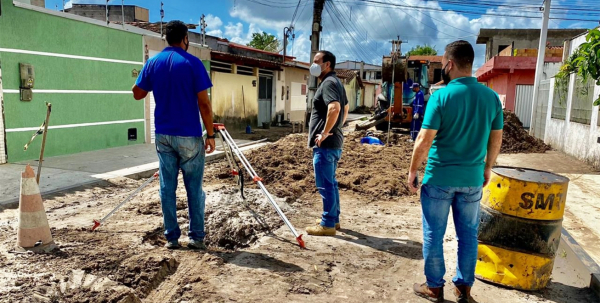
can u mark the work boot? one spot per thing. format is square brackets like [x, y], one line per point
[463, 294]
[172, 245]
[320, 230]
[196, 244]
[337, 225]
[433, 294]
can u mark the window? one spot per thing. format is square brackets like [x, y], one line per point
[501, 47]
[364, 75]
[581, 109]
[245, 70]
[378, 75]
[437, 75]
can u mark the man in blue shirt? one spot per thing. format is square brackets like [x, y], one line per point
[461, 138]
[418, 107]
[179, 83]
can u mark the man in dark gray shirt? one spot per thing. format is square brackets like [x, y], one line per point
[326, 139]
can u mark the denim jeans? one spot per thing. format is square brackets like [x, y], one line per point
[436, 202]
[187, 154]
[325, 162]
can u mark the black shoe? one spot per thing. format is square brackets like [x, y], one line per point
[172, 245]
[196, 244]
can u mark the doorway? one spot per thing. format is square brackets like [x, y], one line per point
[265, 98]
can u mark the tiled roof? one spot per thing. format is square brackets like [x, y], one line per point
[345, 73]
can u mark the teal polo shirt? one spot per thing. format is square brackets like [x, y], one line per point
[463, 113]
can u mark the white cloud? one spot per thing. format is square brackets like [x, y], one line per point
[237, 33]
[215, 32]
[213, 22]
[372, 27]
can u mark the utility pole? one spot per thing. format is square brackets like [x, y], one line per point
[396, 46]
[286, 33]
[162, 16]
[314, 48]
[107, 11]
[540, 64]
[63, 6]
[203, 29]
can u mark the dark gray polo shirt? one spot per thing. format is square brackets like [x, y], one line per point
[330, 90]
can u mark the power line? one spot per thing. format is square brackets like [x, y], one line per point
[334, 12]
[377, 3]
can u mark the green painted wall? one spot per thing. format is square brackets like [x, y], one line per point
[55, 34]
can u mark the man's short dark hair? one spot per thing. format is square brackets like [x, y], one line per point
[461, 53]
[328, 57]
[175, 31]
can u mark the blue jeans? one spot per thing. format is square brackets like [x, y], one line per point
[436, 202]
[187, 154]
[325, 162]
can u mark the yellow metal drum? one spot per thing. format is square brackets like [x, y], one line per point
[526, 193]
[519, 232]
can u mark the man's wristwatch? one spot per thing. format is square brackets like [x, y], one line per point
[211, 137]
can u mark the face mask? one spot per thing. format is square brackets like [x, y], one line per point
[187, 45]
[315, 70]
[445, 76]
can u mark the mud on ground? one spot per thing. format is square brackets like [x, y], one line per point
[124, 259]
[252, 256]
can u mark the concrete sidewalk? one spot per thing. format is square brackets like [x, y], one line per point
[70, 171]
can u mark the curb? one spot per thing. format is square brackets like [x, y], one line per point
[581, 261]
[136, 172]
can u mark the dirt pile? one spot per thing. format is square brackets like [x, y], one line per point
[369, 170]
[515, 139]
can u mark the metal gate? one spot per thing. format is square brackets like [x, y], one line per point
[265, 98]
[3, 155]
[523, 103]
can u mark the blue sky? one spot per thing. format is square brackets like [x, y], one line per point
[366, 37]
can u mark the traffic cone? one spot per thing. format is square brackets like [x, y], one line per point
[34, 232]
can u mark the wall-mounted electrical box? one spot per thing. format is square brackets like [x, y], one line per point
[27, 81]
[27, 75]
[132, 134]
[26, 94]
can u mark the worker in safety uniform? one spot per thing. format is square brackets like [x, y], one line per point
[418, 107]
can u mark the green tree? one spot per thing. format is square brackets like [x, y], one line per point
[265, 42]
[585, 61]
[424, 50]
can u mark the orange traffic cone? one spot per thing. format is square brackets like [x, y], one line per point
[34, 232]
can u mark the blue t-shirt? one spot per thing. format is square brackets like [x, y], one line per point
[175, 77]
[464, 113]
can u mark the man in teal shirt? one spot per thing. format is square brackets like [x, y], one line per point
[461, 138]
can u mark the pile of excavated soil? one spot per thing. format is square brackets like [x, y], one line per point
[515, 139]
[369, 170]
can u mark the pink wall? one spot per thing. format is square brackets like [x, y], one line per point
[506, 84]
